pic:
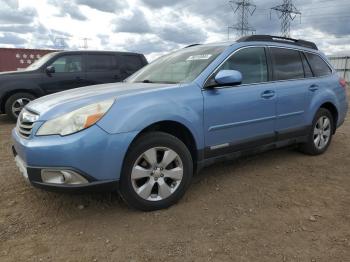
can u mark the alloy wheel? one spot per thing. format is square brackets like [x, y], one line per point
[18, 105]
[157, 173]
[322, 132]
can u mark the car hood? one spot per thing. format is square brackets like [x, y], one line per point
[54, 105]
[11, 74]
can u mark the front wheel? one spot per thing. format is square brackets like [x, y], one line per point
[156, 172]
[321, 133]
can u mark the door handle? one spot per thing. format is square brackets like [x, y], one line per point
[313, 88]
[268, 94]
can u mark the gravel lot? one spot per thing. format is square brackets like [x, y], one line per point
[277, 206]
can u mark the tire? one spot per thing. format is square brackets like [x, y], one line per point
[157, 188]
[17, 102]
[312, 147]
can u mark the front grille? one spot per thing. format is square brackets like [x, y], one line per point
[25, 123]
[25, 128]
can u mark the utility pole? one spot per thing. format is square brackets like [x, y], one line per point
[244, 9]
[85, 42]
[287, 12]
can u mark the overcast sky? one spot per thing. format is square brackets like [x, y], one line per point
[155, 27]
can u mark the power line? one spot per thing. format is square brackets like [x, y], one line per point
[321, 7]
[330, 5]
[287, 13]
[322, 15]
[244, 9]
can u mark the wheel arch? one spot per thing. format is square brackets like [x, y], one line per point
[333, 110]
[176, 129]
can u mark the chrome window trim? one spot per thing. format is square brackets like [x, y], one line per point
[272, 81]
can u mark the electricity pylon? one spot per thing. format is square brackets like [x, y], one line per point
[287, 12]
[244, 9]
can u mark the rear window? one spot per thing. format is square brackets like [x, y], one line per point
[287, 64]
[96, 63]
[318, 65]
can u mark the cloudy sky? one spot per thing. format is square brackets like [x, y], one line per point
[155, 27]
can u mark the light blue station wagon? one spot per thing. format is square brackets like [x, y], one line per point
[146, 137]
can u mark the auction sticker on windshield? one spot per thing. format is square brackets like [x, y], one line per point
[199, 57]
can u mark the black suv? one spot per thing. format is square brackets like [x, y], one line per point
[60, 71]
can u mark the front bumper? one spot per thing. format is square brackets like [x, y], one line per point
[93, 154]
[33, 176]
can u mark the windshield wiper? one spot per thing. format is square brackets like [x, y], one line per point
[154, 82]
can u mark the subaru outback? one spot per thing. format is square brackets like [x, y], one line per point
[147, 136]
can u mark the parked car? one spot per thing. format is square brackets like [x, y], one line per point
[147, 136]
[59, 71]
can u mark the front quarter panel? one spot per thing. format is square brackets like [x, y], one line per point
[135, 112]
[25, 81]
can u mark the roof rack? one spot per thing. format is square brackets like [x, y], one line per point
[278, 39]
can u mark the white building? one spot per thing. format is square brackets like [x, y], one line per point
[342, 65]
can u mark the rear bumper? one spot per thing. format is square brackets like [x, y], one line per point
[342, 113]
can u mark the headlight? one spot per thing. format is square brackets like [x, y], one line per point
[76, 120]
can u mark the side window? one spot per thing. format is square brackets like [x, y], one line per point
[286, 64]
[131, 62]
[100, 63]
[251, 62]
[307, 69]
[319, 67]
[68, 64]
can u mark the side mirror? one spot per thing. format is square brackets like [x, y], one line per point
[50, 70]
[228, 77]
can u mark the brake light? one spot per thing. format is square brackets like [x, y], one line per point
[342, 82]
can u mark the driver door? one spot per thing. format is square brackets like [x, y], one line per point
[242, 116]
[69, 73]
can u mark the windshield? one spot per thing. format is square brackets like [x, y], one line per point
[178, 67]
[38, 63]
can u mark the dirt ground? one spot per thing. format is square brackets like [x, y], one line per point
[277, 206]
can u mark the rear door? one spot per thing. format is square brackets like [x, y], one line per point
[69, 73]
[292, 92]
[102, 68]
[322, 74]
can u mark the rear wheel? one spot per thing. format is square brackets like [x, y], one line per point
[156, 173]
[321, 133]
[15, 103]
